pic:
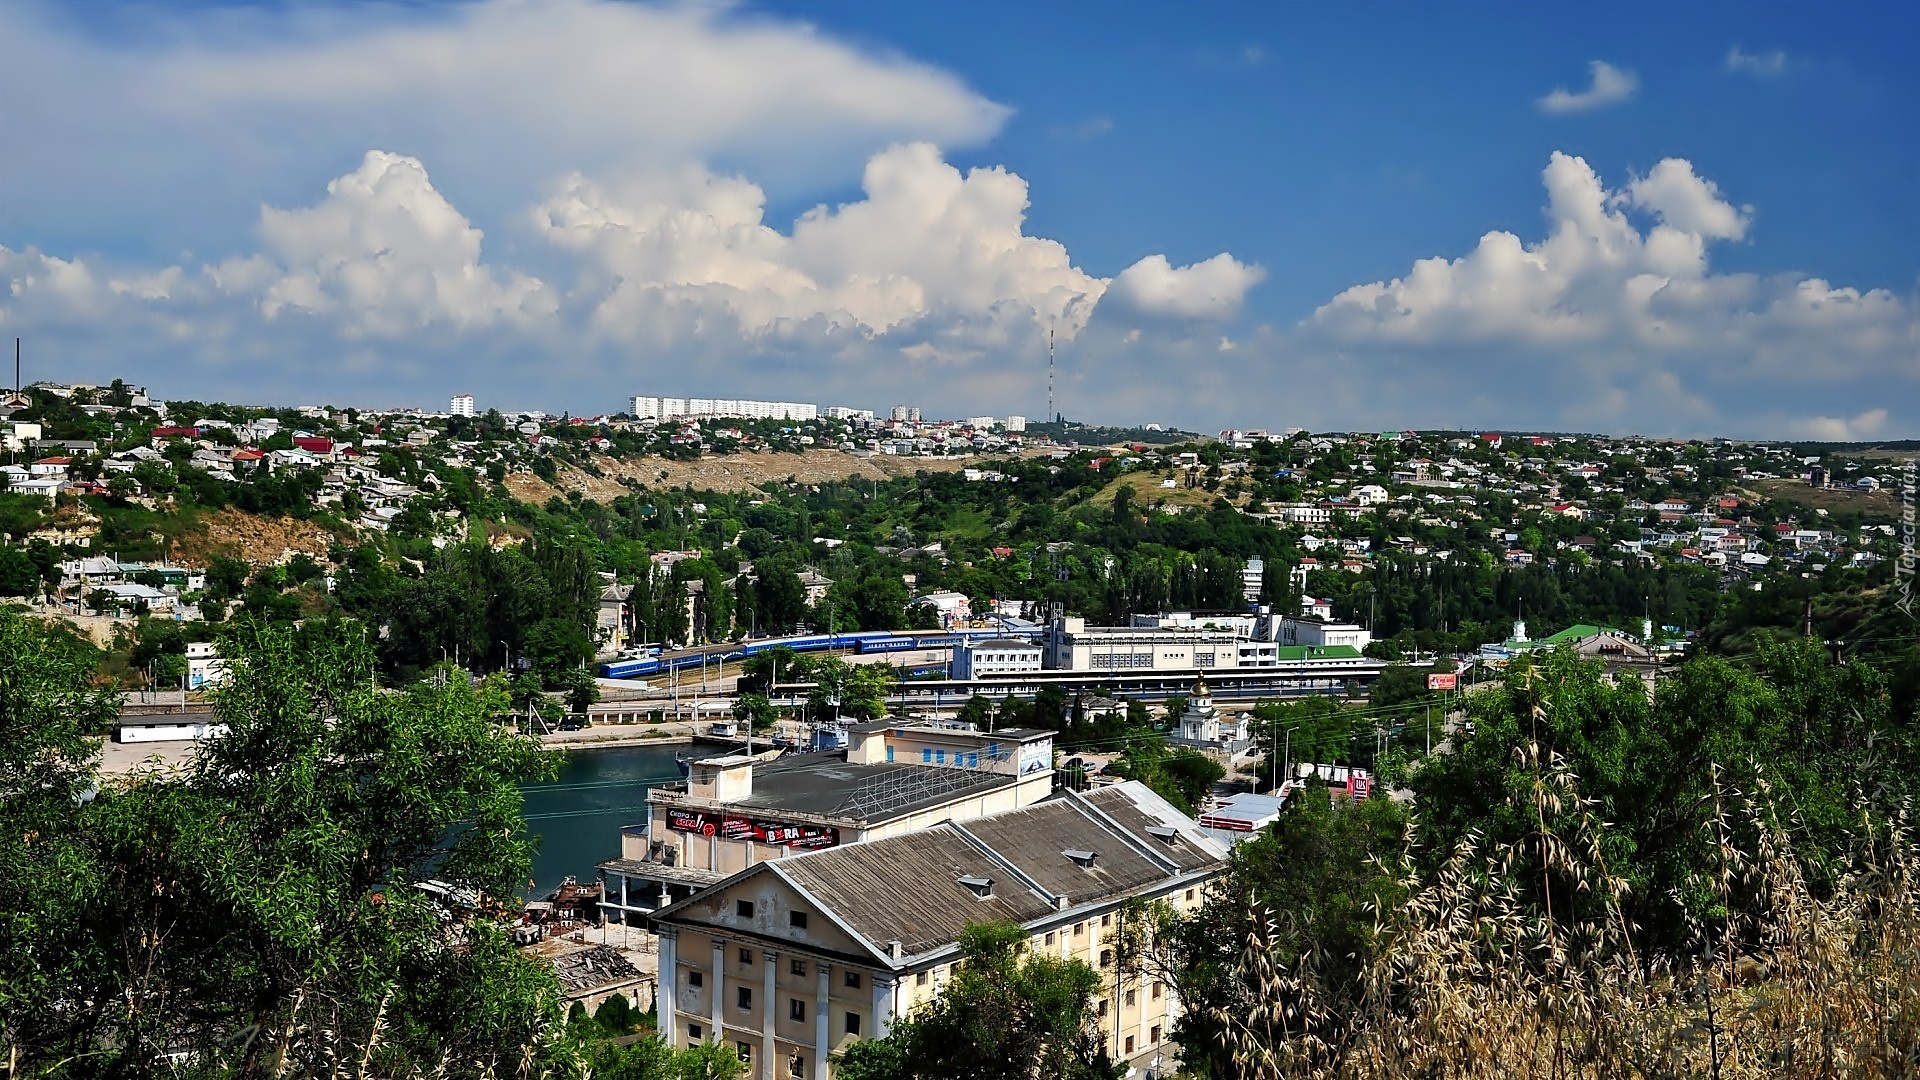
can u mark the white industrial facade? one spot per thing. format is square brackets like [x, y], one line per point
[1180, 645]
[664, 408]
[1000, 656]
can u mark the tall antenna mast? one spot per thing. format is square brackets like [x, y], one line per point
[1050, 413]
[16, 370]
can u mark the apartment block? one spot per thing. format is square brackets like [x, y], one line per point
[788, 961]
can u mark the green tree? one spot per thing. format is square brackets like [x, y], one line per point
[226, 577]
[779, 598]
[878, 601]
[856, 691]
[756, 711]
[1006, 1013]
[1309, 888]
[1180, 775]
[49, 878]
[615, 1015]
[18, 574]
[1648, 762]
[302, 892]
[978, 711]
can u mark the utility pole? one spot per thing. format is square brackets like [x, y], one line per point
[1052, 412]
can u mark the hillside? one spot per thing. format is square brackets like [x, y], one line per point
[728, 473]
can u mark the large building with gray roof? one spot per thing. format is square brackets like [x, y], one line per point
[789, 960]
[738, 810]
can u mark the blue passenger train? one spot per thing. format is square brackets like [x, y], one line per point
[862, 641]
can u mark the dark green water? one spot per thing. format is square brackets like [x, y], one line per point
[578, 815]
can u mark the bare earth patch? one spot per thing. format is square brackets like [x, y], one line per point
[258, 540]
[733, 472]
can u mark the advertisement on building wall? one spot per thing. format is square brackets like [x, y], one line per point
[736, 827]
[1035, 756]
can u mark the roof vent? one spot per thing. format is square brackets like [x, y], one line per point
[1166, 834]
[980, 886]
[1081, 859]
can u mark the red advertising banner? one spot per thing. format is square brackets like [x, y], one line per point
[1443, 682]
[736, 827]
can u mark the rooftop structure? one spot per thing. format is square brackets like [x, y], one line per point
[739, 810]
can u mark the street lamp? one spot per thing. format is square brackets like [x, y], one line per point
[1288, 753]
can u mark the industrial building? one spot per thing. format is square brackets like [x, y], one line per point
[996, 656]
[1181, 641]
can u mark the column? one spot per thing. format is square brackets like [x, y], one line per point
[882, 1006]
[768, 1017]
[625, 918]
[822, 1019]
[666, 984]
[719, 986]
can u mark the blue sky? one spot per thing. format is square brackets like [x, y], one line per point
[1230, 214]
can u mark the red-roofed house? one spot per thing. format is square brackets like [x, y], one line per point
[314, 444]
[176, 433]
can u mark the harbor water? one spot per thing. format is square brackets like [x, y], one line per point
[578, 815]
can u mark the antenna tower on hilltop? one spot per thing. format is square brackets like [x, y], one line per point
[1050, 412]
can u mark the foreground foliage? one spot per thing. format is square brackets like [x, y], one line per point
[1006, 1014]
[1781, 941]
[326, 890]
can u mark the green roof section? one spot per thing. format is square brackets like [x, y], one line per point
[1319, 652]
[1576, 632]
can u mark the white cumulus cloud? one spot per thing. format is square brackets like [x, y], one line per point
[166, 115]
[1625, 325]
[384, 252]
[1765, 65]
[927, 244]
[1610, 86]
[1688, 202]
[1866, 425]
[1210, 289]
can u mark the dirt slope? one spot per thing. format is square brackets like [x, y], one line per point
[255, 539]
[729, 473]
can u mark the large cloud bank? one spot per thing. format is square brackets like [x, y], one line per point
[1615, 315]
[569, 201]
[931, 269]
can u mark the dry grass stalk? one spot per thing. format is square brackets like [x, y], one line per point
[1473, 978]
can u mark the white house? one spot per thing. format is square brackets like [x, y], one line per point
[204, 665]
[951, 606]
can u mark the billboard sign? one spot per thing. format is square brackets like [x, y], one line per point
[737, 827]
[1448, 681]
